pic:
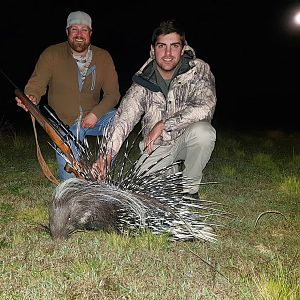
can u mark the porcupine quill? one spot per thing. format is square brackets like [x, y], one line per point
[130, 201]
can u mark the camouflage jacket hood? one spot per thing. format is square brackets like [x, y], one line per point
[191, 98]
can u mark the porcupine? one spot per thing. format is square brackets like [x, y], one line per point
[131, 201]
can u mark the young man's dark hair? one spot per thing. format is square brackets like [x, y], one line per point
[166, 27]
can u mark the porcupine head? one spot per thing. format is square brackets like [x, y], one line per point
[61, 214]
[76, 205]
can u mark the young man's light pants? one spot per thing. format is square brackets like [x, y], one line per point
[98, 129]
[194, 147]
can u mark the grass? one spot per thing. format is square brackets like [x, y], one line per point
[256, 257]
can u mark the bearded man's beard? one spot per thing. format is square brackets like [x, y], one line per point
[78, 46]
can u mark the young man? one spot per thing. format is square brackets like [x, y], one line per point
[175, 93]
[76, 73]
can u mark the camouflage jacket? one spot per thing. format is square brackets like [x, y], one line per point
[191, 98]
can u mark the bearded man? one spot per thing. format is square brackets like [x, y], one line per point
[81, 81]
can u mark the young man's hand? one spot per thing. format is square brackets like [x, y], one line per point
[101, 165]
[153, 135]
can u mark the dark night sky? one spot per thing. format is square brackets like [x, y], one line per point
[250, 47]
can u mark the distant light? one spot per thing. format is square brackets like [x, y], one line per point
[290, 19]
[297, 18]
